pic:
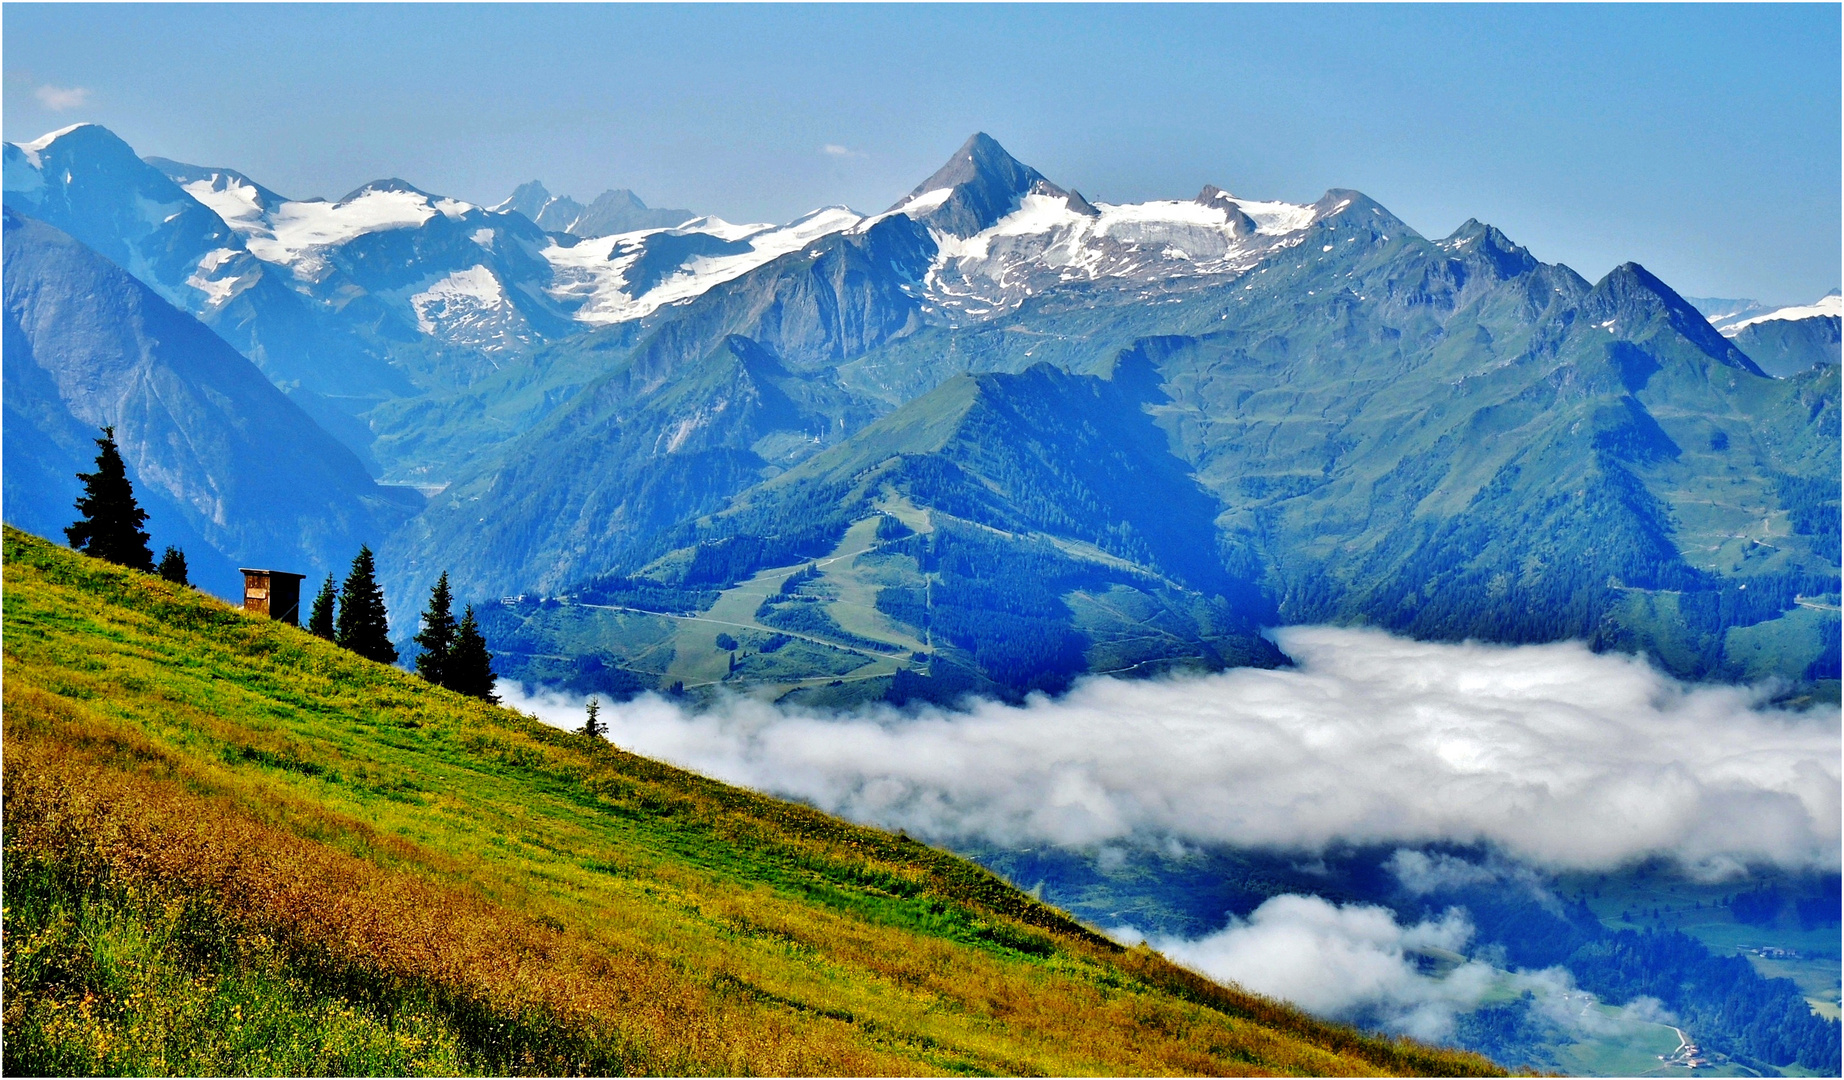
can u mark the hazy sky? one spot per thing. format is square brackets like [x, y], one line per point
[1702, 141]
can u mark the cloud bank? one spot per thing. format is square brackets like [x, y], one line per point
[1550, 753]
[1355, 962]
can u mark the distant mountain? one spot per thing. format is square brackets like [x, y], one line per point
[628, 276]
[426, 266]
[1722, 312]
[228, 467]
[1448, 438]
[1334, 418]
[551, 213]
[614, 211]
[88, 183]
[977, 187]
[1787, 341]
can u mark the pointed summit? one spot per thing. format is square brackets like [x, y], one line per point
[1476, 239]
[528, 198]
[1630, 297]
[620, 210]
[979, 185]
[1240, 224]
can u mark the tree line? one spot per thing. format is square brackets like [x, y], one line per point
[454, 653]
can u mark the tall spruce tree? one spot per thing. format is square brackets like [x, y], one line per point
[111, 524]
[320, 619]
[470, 665]
[437, 637]
[173, 566]
[363, 625]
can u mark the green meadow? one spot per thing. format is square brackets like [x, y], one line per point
[233, 848]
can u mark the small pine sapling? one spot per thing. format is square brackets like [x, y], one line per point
[173, 566]
[320, 619]
[592, 724]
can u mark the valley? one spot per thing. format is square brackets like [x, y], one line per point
[848, 540]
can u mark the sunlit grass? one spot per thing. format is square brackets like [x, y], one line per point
[233, 848]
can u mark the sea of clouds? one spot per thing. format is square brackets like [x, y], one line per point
[1552, 755]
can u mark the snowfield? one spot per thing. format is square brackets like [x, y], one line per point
[1831, 305]
[1044, 241]
[596, 276]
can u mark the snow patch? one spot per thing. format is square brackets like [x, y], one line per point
[1044, 241]
[926, 201]
[23, 178]
[461, 296]
[219, 290]
[237, 203]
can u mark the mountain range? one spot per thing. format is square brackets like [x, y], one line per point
[991, 438]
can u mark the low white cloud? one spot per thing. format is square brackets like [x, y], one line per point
[835, 150]
[1356, 963]
[1421, 872]
[60, 98]
[1350, 962]
[1551, 754]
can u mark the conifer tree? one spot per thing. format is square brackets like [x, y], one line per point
[111, 524]
[363, 625]
[437, 637]
[173, 566]
[320, 620]
[470, 669]
[593, 726]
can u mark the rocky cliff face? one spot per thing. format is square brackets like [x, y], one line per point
[228, 466]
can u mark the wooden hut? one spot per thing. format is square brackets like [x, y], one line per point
[275, 593]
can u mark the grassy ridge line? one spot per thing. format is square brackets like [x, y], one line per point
[232, 847]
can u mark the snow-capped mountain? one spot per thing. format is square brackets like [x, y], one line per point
[1002, 233]
[1830, 305]
[1789, 340]
[1053, 239]
[580, 404]
[85, 181]
[460, 274]
[1722, 311]
[627, 276]
[614, 211]
[90, 184]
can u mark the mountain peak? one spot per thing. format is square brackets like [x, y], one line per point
[528, 198]
[388, 184]
[979, 185]
[88, 129]
[618, 199]
[91, 140]
[1631, 294]
[1218, 199]
[1476, 239]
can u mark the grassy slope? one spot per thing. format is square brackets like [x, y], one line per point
[231, 847]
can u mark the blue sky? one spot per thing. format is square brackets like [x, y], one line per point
[1702, 141]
